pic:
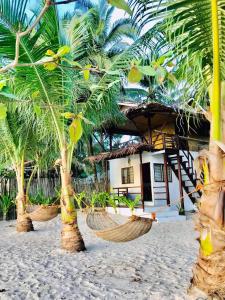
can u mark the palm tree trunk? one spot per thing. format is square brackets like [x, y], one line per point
[71, 239]
[24, 223]
[209, 270]
[4, 216]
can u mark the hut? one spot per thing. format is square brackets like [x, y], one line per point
[156, 160]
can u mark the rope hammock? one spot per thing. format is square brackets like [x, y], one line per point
[104, 227]
[42, 213]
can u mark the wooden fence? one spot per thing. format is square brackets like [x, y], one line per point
[50, 187]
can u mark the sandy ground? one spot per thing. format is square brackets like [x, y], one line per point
[155, 266]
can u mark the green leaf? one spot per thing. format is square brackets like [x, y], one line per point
[160, 74]
[75, 130]
[116, 72]
[172, 78]
[72, 63]
[63, 50]
[86, 72]
[112, 83]
[35, 94]
[87, 121]
[161, 60]
[134, 76]
[37, 110]
[170, 64]
[3, 111]
[2, 84]
[121, 4]
[147, 70]
[50, 66]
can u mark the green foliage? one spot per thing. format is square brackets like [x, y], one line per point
[6, 202]
[130, 203]
[180, 209]
[80, 198]
[121, 4]
[113, 201]
[40, 199]
[3, 111]
[99, 199]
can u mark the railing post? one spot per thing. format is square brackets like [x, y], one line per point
[180, 181]
[142, 183]
[166, 179]
[164, 140]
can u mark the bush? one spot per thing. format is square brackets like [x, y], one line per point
[100, 199]
[41, 199]
[6, 202]
[80, 198]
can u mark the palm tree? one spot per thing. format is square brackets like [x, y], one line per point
[19, 133]
[108, 37]
[194, 30]
[63, 94]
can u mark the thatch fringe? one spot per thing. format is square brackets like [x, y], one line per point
[129, 150]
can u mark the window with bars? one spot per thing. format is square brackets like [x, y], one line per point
[159, 173]
[127, 175]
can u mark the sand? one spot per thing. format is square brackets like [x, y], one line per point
[155, 266]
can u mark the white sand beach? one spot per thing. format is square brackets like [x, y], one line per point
[155, 266]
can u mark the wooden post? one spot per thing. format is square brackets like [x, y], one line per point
[93, 165]
[142, 183]
[110, 141]
[149, 130]
[180, 181]
[166, 179]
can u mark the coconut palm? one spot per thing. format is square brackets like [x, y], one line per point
[108, 37]
[19, 135]
[64, 90]
[194, 30]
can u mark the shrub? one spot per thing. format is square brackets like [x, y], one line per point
[80, 198]
[40, 198]
[6, 202]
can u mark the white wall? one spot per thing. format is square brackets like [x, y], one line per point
[115, 173]
[134, 161]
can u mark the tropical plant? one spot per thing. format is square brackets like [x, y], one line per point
[194, 31]
[113, 202]
[40, 199]
[19, 133]
[6, 202]
[60, 88]
[132, 203]
[80, 199]
[99, 199]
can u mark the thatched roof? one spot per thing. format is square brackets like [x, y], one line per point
[150, 108]
[129, 150]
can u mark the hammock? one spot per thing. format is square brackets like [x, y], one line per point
[42, 213]
[107, 229]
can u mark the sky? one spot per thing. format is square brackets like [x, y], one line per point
[118, 13]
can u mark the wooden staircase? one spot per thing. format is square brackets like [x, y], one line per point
[181, 162]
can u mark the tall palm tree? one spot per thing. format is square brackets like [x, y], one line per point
[63, 93]
[194, 30]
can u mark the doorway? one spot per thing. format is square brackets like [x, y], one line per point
[146, 178]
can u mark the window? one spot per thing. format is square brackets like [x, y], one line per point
[127, 175]
[159, 173]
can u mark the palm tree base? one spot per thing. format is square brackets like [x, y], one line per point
[71, 239]
[209, 270]
[24, 225]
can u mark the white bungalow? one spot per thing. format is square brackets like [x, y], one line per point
[158, 163]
